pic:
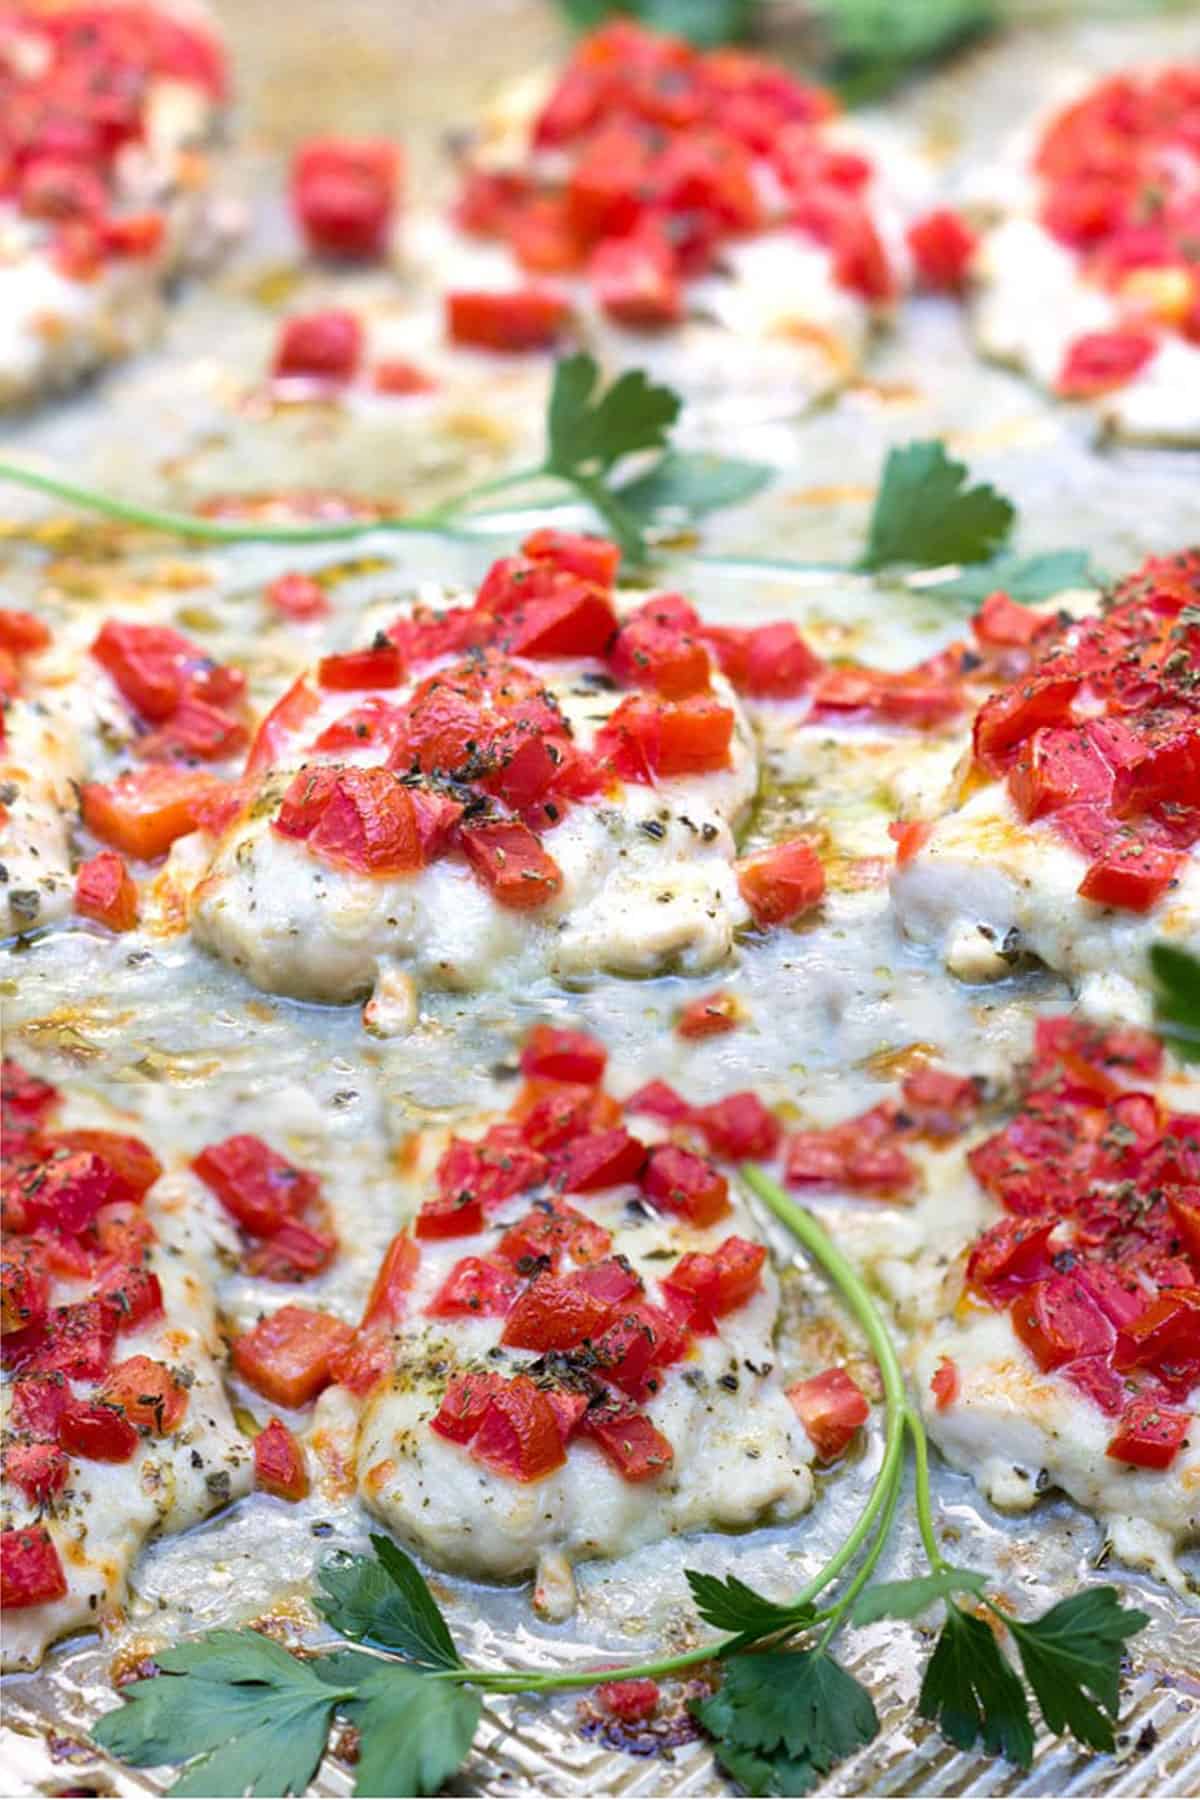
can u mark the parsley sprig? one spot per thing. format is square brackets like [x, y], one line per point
[1176, 976]
[598, 442]
[245, 1716]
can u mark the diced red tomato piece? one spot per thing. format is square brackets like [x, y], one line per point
[771, 662]
[579, 621]
[1095, 1378]
[297, 596]
[635, 1447]
[25, 1098]
[37, 1403]
[909, 836]
[388, 1299]
[396, 375]
[22, 632]
[658, 1100]
[367, 824]
[320, 346]
[258, 1186]
[710, 1016]
[599, 1159]
[831, 1407]
[1165, 775]
[142, 812]
[549, 1230]
[1165, 1338]
[344, 193]
[556, 1053]
[1133, 876]
[475, 1287]
[39, 1470]
[31, 1573]
[1057, 1320]
[679, 1182]
[1015, 713]
[738, 1127]
[632, 1702]
[133, 1293]
[944, 1383]
[287, 1355]
[1010, 1255]
[518, 1436]
[1100, 361]
[279, 733]
[512, 864]
[636, 1347]
[24, 1290]
[67, 1190]
[450, 1215]
[132, 1161]
[1150, 1435]
[522, 319]
[196, 732]
[296, 1251]
[1105, 1062]
[636, 280]
[96, 1431]
[561, 1312]
[942, 244]
[781, 884]
[365, 1361]
[703, 1288]
[280, 1466]
[1002, 623]
[658, 647]
[646, 738]
[106, 891]
[466, 1400]
[148, 1394]
[938, 1102]
[551, 1113]
[1059, 766]
[378, 666]
[592, 558]
[605, 181]
[155, 668]
[481, 1174]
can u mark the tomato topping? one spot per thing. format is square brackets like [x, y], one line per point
[1059, 766]
[945, 1383]
[1100, 361]
[509, 860]
[134, 1294]
[142, 812]
[365, 1361]
[39, 1470]
[518, 1436]
[1164, 1339]
[576, 621]
[466, 1400]
[702, 1288]
[632, 1702]
[635, 1447]
[474, 1176]
[22, 632]
[636, 279]
[658, 647]
[1010, 1255]
[31, 1573]
[594, 559]
[26, 1099]
[1015, 713]
[939, 1103]
[1002, 624]
[599, 1159]
[636, 1346]
[344, 193]
[771, 662]
[831, 1407]
[279, 732]
[24, 1291]
[556, 1313]
[147, 1393]
[156, 669]
[942, 244]
[550, 1230]
[523, 319]
[1057, 1320]
[658, 1100]
[388, 1299]
[295, 1252]
[781, 884]
[852, 1156]
[1104, 1062]
[738, 1127]
[320, 346]
[253, 1182]
[67, 1190]
[1150, 1435]
[380, 665]
[287, 1355]
[106, 891]
[556, 1053]
[297, 596]
[397, 376]
[645, 739]
[37, 1403]
[1133, 876]
[710, 1016]
[475, 1287]
[280, 1466]
[96, 1431]
[364, 820]
[679, 1182]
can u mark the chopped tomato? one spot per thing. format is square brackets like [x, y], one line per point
[396, 375]
[645, 739]
[679, 1182]
[155, 668]
[1057, 1320]
[39, 1470]
[106, 891]
[287, 1355]
[134, 1294]
[831, 1407]
[148, 1394]
[1059, 766]
[364, 1362]
[781, 884]
[364, 820]
[549, 1230]
[636, 279]
[944, 1383]
[1100, 361]
[24, 1291]
[321, 346]
[1133, 876]
[296, 1251]
[1102, 1062]
[481, 1174]
[557, 1053]
[466, 1400]
[37, 1404]
[710, 1016]
[1003, 624]
[1165, 1338]
[658, 647]
[388, 1298]
[344, 193]
[518, 1436]
[278, 735]
[771, 662]
[738, 1127]
[96, 1431]
[253, 1182]
[702, 1288]
[658, 1100]
[380, 665]
[639, 1343]
[280, 1466]
[592, 558]
[1009, 1256]
[67, 1190]
[599, 1159]
[939, 1103]
[632, 1702]
[551, 1113]
[297, 596]
[1150, 1435]
[475, 1287]
[576, 621]
[635, 1447]
[22, 632]
[512, 864]
[522, 319]
[31, 1573]
[541, 236]
[942, 244]
[556, 1313]
[1015, 713]
[142, 812]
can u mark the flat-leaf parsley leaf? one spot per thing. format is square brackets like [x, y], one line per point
[925, 513]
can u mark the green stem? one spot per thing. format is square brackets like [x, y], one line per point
[920, 1442]
[499, 484]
